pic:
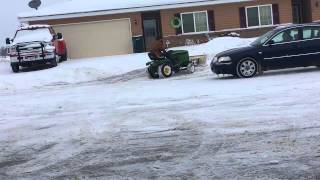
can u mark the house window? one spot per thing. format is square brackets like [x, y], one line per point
[259, 15]
[194, 22]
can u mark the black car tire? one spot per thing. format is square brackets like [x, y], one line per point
[166, 70]
[15, 67]
[247, 68]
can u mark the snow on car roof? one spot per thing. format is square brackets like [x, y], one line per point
[80, 8]
[41, 34]
[35, 26]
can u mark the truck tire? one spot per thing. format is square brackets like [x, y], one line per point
[15, 67]
[64, 57]
[54, 61]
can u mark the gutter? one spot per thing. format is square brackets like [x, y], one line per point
[127, 10]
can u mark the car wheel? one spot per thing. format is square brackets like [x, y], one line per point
[247, 68]
[15, 68]
[54, 61]
[191, 68]
[166, 70]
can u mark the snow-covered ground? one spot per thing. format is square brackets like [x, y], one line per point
[77, 71]
[73, 71]
[127, 126]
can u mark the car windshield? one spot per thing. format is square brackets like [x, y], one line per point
[31, 35]
[262, 39]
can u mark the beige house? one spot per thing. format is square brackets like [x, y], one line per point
[101, 28]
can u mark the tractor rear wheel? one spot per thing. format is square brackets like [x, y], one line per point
[166, 70]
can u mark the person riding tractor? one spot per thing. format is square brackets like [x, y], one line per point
[164, 62]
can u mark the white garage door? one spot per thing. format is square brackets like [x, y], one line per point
[96, 39]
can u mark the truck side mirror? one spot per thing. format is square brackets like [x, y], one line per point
[8, 41]
[59, 36]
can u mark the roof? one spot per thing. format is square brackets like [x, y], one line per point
[80, 8]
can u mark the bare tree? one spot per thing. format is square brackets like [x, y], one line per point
[3, 52]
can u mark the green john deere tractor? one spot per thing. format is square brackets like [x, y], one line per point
[171, 62]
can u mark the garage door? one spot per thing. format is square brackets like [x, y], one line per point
[97, 39]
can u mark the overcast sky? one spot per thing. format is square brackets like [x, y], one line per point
[8, 15]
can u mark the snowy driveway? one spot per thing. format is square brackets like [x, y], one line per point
[187, 127]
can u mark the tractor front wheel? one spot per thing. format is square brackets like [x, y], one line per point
[152, 74]
[191, 68]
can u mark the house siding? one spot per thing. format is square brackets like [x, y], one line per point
[227, 19]
[226, 15]
[315, 5]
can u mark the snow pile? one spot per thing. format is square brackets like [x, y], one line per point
[85, 70]
[73, 71]
[216, 46]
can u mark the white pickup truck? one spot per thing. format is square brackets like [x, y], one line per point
[36, 44]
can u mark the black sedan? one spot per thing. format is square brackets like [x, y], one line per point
[284, 47]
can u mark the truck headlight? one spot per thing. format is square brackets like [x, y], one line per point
[225, 59]
[49, 48]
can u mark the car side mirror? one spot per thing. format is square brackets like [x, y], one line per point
[59, 36]
[8, 41]
[270, 43]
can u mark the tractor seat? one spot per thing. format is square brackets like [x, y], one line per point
[152, 56]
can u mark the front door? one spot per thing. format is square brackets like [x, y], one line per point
[151, 28]
[297, 13]
[301, 11]
[150, 32]
[281, 51]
